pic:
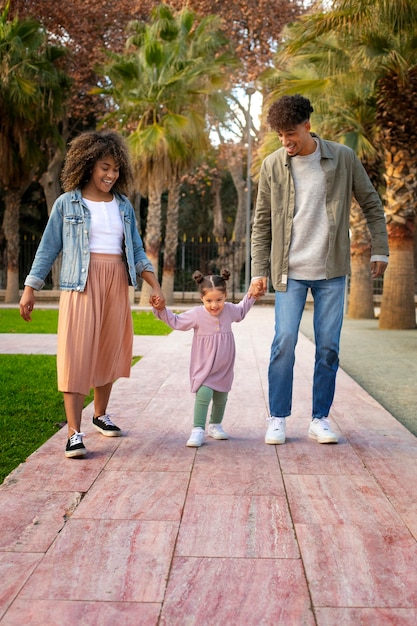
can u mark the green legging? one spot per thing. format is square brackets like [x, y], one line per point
[202, 400]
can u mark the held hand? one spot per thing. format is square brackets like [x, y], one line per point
[255, 291]
[378, 268]
[157, 300]
[27, 303]
[257, 288]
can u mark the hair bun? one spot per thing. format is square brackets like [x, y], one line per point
[225, 274]
[198, 277]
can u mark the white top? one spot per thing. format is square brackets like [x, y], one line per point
[310, 234]
[106, 229]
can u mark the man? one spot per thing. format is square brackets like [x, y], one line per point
[300, 238]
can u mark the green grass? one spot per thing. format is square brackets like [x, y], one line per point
[31, 407]
[46, 321]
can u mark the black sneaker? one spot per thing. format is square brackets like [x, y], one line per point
[106, 427]
[75, 446]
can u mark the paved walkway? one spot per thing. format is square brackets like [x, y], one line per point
[146, 531]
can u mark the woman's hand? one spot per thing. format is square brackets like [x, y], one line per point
[27, 303]
[157, 300]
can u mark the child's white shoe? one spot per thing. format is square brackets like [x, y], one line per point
[216, 431]
[196, 438]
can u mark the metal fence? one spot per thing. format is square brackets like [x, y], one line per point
[208, 256]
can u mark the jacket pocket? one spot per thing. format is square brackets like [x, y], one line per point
[73, 220]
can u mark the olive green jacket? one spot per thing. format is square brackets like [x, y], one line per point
[275, 205]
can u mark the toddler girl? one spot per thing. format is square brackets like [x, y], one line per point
[213, 349]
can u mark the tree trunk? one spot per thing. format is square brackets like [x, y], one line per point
[397, 305]
[218, 221]
[52, 189]
[361, 302]
[219, 231]
[239, 231]
[171, 242]
[152, 240]
[12, 199]
[415, 254]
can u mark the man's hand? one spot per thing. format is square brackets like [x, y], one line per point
[258, 286]
[378, 268]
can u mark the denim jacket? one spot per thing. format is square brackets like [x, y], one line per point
[275, 206]
[68, 230]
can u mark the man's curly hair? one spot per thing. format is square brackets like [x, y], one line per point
[88, 148]
[289, 111]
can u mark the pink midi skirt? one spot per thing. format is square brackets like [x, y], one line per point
[95, 329]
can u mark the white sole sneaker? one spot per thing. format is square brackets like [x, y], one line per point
[196, 438]
[275, 435]
[321, 432]
[216, 431]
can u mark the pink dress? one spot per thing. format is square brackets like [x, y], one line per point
[213, 349]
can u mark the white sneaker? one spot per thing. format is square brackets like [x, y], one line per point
[276, 430]
[216, 431]
[196, 438]
[320, 431]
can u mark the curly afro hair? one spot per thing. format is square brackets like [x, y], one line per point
[289, 111]
[88, 148]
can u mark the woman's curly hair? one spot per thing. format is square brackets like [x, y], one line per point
[89, 147]
[212, 281]
[289, 111]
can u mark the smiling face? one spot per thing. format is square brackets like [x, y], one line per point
[214, 301]
[297, 140]
[104, 175]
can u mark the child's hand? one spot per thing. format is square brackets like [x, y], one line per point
[256, 288]
[157, 302]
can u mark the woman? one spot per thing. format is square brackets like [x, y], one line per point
[93, 224]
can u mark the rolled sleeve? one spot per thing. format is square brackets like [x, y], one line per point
[34, 282]
[144, 266]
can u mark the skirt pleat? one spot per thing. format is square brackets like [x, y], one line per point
[95, 330]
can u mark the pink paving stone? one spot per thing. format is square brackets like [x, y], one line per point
[242, 592]
[47, 469]
[225, 470]
[302, 455]
[396, 475]
[107, 561]
[228, 537]
[366, 617]
[155, 452]
[355, 499]
[66, 613]
[244, 443]
[135, 495]
[385, 443]
[358, 566]
[249, 415]
[237, 526]
[55, 473]
[15, 569]
[31, 521]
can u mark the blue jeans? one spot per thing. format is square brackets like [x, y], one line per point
[328, 317]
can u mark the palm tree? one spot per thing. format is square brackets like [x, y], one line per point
[381, 37]
[162, 88]
[344, 111]
[31, 102]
